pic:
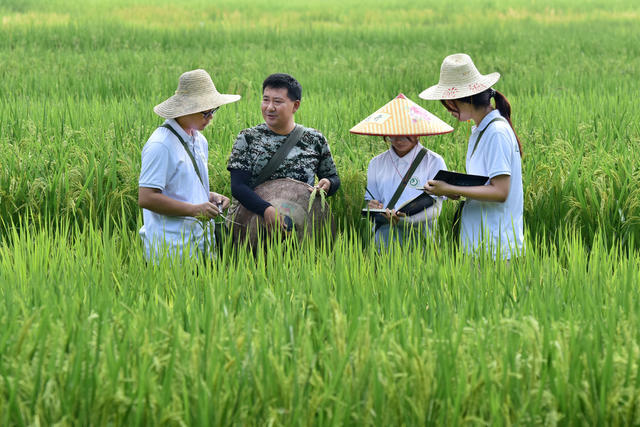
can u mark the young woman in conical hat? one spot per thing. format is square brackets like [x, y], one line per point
[395, 178]
[492, 216]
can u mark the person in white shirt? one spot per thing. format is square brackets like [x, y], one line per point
[492, 216]
[173, 188]
[384, 174]
[398, 175]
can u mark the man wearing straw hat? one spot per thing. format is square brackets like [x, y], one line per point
[173, 188]
[308, 156]
[396, 177]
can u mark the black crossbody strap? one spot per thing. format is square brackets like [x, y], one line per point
[184, 144]
[482, 133]
[281, 153]
[406, 178]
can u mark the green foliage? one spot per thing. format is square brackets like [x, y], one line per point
[314, 334]
[326, 333]
[80, 80]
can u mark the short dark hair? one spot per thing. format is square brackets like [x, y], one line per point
[282, 80]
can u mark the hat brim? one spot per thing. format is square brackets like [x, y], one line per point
[404, 134]
[180, 105]
[442, 92]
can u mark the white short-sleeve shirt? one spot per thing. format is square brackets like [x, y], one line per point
[386, 170]
[166, 166]
[497, 225]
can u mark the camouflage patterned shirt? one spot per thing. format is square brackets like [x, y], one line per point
[309, 157]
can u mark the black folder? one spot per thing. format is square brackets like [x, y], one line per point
[461, 179]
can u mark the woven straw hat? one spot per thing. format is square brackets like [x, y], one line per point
[401, 117]
[196, 92]
[459, 78]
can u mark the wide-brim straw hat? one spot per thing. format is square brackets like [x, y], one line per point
[459, 78]
[401, 117]
[196, 92]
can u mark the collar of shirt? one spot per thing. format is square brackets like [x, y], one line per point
[485, 122]
[187, 138]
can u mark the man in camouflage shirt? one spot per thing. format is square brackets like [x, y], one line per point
[254, 147]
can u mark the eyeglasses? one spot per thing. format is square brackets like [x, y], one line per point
[210, 113]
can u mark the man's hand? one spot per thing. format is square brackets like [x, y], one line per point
[272, 219]
[154, 200]
[324, 184]
[206, 209]
[219, 200]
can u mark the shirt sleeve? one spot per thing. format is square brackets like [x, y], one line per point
[155, 166]
[498, 157]
[244, 194]
[327, 167]
[372, 184]
[240, 157]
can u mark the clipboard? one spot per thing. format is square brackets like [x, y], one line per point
[409, 208]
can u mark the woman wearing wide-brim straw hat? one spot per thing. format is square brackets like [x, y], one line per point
[173, 188]
[492, 216]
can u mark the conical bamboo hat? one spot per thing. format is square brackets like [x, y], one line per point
[401, 117]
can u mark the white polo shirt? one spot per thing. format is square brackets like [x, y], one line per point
[166, 166]
[494, 223]
[386, 170]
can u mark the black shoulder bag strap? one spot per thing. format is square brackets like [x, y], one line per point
[281, 153]
[483, 131]
[184, 144]
[406, 178]
[458, 215]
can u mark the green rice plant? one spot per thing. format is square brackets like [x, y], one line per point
[314, 335]
[331, 332]
[73, 122]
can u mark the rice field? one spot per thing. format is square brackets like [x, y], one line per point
[330, 333]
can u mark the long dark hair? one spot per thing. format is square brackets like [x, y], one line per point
[483, 99]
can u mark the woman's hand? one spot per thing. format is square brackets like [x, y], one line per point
[440, 188]
[374, 204]
[497, 190]
[393, 216]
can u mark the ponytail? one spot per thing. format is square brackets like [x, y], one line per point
[483, 99]
[504, 108]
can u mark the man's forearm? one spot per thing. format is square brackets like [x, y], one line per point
[241, 190]
[153, 200]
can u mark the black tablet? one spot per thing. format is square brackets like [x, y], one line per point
[462, 179]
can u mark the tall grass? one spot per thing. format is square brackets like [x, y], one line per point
[73, 117]
[318, 334]
[332, 332]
